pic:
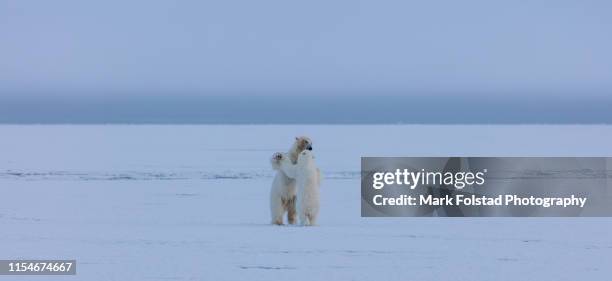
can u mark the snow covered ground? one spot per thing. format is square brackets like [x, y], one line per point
[191, 203]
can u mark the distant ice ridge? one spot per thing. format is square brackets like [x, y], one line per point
[152, 175]
[255, 174]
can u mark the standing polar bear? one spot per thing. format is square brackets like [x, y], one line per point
[308, 180]
[283, 191]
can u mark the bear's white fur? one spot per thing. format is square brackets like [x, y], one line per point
[308, 180]
[283, 191]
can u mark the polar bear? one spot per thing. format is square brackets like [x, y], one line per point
[283, 191]
[308, 180]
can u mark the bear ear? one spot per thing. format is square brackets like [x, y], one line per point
[297, 138]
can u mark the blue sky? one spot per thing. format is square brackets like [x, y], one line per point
[194, 49]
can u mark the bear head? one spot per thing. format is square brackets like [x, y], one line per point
[302, 143]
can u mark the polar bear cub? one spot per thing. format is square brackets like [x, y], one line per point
[308, 180]
[283, 191]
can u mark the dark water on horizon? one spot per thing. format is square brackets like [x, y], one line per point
[306, 110]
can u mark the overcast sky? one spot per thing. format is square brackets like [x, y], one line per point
[491, 48]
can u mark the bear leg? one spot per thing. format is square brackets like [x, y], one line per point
[276, 210]
[291, 213]
[312, 219]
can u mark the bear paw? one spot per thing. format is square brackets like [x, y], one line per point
[277, 156]
[275, 160]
